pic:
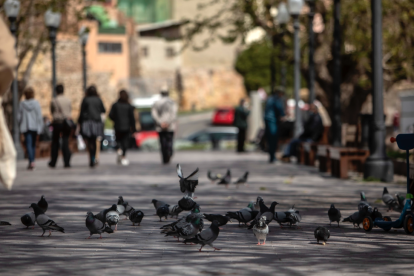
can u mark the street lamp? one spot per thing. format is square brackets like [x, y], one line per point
[295, 7]
[311, 76]
[377, 165]
[12, 8]
[83, 37]
[52, 21]
[282, 18]
[336, 86]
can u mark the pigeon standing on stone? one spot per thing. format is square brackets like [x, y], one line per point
[260, 230]
[242, 180]
[357, 217]
[187, 186]
[2, 222]
[322, 234]
[222, 220]
[334, 215]
[265, 211]
[102, 214]
[161, 208]
[244, 215]
[206, 237]
[112, 218]
[43, 204]
[45, 222]
[226, 180]
[136, 216]
[213, 177]
[28, 220]
[175, 210]
[96, 226]
[389, 200]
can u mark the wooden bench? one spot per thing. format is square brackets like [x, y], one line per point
[343, 159]
[307, 151]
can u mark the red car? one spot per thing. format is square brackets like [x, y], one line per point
[223, 116]
[141, 136]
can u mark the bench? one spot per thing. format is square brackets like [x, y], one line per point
[307, 151]
[323, 155]
[343, 159]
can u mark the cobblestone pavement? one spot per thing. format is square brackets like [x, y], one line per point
[142, 250]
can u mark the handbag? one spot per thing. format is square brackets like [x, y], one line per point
[67, 123]
[81, 143]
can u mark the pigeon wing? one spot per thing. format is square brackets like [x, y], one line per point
[179, 171]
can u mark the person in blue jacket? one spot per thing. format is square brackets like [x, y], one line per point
[274, 112]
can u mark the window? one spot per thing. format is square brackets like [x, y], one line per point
[109, 47]
[144, 51]
[170, 52]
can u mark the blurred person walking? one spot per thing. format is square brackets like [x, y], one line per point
[8, 63]
[31, 124]
[122, 114]
[274, 112]
[164, 112]
[240, 121]
[61, 110]
[90, 121]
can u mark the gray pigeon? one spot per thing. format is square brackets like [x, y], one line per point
[29, 219]
[244, 215]
[206, 237]
[257, 204]
[112, 218]
[291, 216]
[265, 211]
[334, 215]
[364, 202]
[260, 230]
[102, 214]
[136, 216]
[174, 210]
[357, 217]
[213, 177]
[96, 226]
[43, 204]
[389, 200]
[123, 207]
[158, 203]
[242, 180]
[322, 234]
[45, 222]
[184, 230]
[189, 183]
[180, 222]
[2, 222]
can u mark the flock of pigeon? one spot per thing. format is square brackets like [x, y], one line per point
[190, 227]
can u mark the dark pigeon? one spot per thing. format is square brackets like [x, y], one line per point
[45, 222]
[184, 230]
[222, 220]
[96, 226]
[102, 214]
[244, 215]
[206, 237]
[2, 222]
[189, 183]
[226, 180]
[43, 204]
[186, 203]
[322, 234]
[136, 216]
[334, 215]
[264, 211]
[357, 217]
[242, 180]
[28, 220]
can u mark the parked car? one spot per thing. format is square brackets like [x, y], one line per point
[214, 135]
[223, 116]
[147, 128]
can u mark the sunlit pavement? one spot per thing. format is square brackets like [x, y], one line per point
[142, 250]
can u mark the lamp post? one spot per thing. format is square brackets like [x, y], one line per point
[295, 7]
[52, 21]
[12, 8]
[377, 164]
[282, 18]
[311, 76]
[83, 37]
[336, 89]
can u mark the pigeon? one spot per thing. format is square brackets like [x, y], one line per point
[389, 200]
[175, 210]
[322, 234]
[102, 214]
[112, 218]
[334, 214]
[28, 219]
[260, 230]
[265, 211]
[357, 217]
[375, 214]
[242, 180]
[96, 226]
[2, 222]
[43, 204]
[226, 180]
[45, 222]
[364, 202]
[187, 203]
[244, 215]
[185, 230]
[180, 222]
[222, 220]
[206, 237]
[127, 208]
[292, 217]
[189, 183]
[401, 202]
[161, 208]
[136, 217]
[158, 204]
[213, 177]
[257, 204]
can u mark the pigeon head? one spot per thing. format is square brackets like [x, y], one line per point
[120, 200]
[385, 191]
[113, 207]
[262, 220]
[89, 214]
[250, 205]
[36, 209]
[154, 201]
[332, 206]
[363, 196]
[196, 209]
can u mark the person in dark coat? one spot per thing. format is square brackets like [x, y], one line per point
[274, 112]
[313, 130]
[90, 120]
[240, 121]
[122, 114]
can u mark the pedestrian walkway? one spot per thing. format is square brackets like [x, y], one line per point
[142, 250]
